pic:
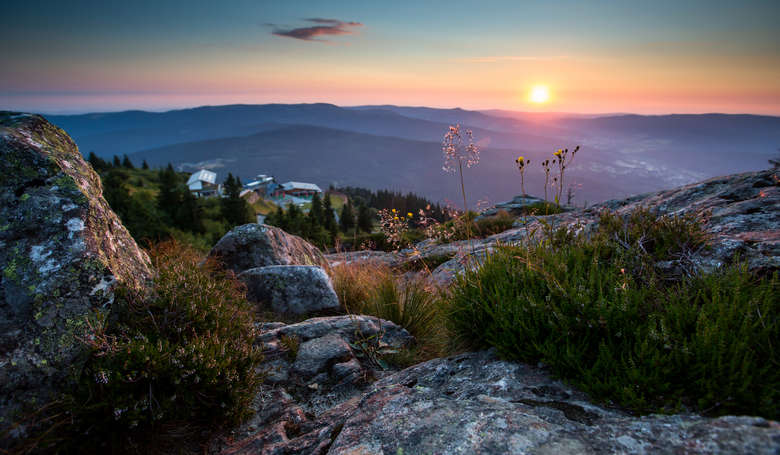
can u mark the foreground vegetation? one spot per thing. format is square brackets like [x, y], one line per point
[602, 312]
[175, 366]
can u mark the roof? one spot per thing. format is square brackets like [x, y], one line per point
[202, 176]
[300, 186]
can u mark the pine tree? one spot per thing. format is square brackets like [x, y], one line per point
[145, 166]
[364, 222]
[329, 219]
[116, 162]
[347, 218]
[316, 212]
[189, 216]
[235, 210]
[169, 197]
[126, 163]
[97, 163]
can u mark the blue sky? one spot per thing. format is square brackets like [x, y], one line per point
[649, 57]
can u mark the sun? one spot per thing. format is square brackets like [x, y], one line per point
[539, 94]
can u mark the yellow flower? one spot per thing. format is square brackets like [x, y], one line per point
[558, 152]
[395, 217]
[409, 214]
[393, 210]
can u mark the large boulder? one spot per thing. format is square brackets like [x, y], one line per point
[475, 403]
[259, 245]
[62, 253]
[290, 289]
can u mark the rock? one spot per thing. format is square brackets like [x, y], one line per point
[259, 245]
[315, 356]
[475, 403]
[305, 400]
[516, 206]
[62, 253]
[291, 289]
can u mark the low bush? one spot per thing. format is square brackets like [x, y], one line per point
[183, 353]
[595, 310]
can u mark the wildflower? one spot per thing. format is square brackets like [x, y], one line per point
[521, 164]
[409, 214]
[459, 148]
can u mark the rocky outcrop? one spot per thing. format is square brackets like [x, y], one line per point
[315, 372]
[62, 252]
[290, 289]
[259, 245]
[517, 206]
[741, 213]
[475, 403]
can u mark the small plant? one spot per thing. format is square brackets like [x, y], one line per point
[291, 345]
[459, 149]
[522, 163]
[562, 158]
[546, 167]
[408, 303]
[355, 282]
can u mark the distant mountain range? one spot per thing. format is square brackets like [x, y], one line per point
[399, 147]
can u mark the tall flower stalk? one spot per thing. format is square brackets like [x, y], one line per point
[459, 149]
[521, 164]
[562, 158]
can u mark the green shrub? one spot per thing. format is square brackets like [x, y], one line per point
[594, 310]
[183, 353]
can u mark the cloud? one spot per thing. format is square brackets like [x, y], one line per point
[323, 27]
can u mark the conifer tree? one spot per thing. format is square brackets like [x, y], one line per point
[234, 208]
[169, 197]
[126, 163]
[116, 162]
[97, 163]
[316, 212]
[364, 222]
[347, 218]
[189, 216]
[329, 219]
[145, 166]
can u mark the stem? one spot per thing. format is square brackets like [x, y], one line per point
[465, 206]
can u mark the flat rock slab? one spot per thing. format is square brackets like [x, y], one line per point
[290, 289]
[475, 403]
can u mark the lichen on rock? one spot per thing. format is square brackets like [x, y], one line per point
[62, 252]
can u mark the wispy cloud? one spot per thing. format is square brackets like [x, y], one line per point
[323, 27]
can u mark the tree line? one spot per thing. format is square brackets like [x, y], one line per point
[156, 204]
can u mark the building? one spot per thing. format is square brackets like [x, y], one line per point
[204, 184]
[263, 185]
[298, 190]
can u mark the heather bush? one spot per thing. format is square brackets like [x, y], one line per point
[595, 308]
[182, 353]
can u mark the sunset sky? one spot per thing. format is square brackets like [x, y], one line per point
[611, 56]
